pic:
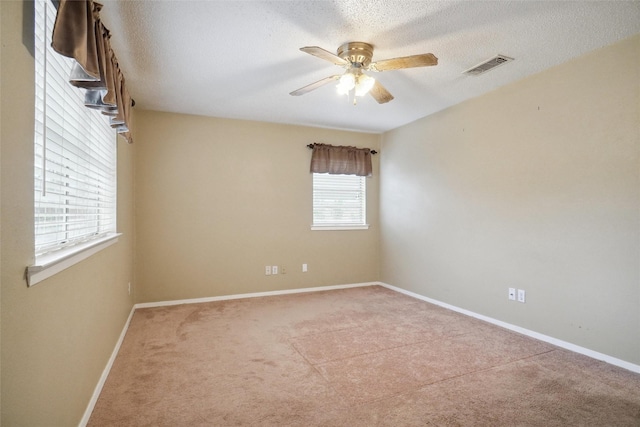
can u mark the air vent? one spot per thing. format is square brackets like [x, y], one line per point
[488, 65]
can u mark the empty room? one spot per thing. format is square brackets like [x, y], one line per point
[319, 213]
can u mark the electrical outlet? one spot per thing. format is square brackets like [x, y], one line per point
[274, 269]
[283, 270]
[129, 288]
[521, 295]
[267, 270]
[512, 294]
[304, 268]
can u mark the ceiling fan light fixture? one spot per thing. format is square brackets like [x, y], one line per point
[351, 80]
[346, 83]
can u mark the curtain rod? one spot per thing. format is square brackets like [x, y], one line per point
[311, 146]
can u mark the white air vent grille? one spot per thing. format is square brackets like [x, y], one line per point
[487, 65]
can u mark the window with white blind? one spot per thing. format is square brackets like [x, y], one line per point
[339, 202]
[75, 156]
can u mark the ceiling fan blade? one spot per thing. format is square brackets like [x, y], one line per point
[380, 94]
[313, 86]
[424, 60]
[324, 54]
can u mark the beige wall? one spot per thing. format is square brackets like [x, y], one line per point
[217, 200]
[0, 221]
[58, 335]
[534, 186]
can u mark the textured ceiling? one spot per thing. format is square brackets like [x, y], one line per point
[240, 59]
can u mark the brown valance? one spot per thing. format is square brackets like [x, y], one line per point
[78, 33]
[341, 160]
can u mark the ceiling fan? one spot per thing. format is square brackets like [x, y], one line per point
[355, 57]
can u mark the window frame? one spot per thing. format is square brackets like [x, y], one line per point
[337, 225]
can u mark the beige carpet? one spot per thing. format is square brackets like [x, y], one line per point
[353, 357]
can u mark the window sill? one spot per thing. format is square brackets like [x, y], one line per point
[340, 227]
[48, 265]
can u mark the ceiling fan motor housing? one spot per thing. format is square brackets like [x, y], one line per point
[357, 53]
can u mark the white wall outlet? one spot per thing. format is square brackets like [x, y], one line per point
[512, 294]
[274, 269]
[304, 268]
[267, 270]
[521, 295]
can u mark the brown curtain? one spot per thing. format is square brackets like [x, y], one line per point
[341, 160]
[78, 33]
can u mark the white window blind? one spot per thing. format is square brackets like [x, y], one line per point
[339, 201]
[75, 153]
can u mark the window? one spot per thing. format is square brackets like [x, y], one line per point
[74, 155]
[339, 202]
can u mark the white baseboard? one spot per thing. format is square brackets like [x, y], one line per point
[105, 373]
[251, 295]
[551, 340]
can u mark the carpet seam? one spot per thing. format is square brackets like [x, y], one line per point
[444, 380]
